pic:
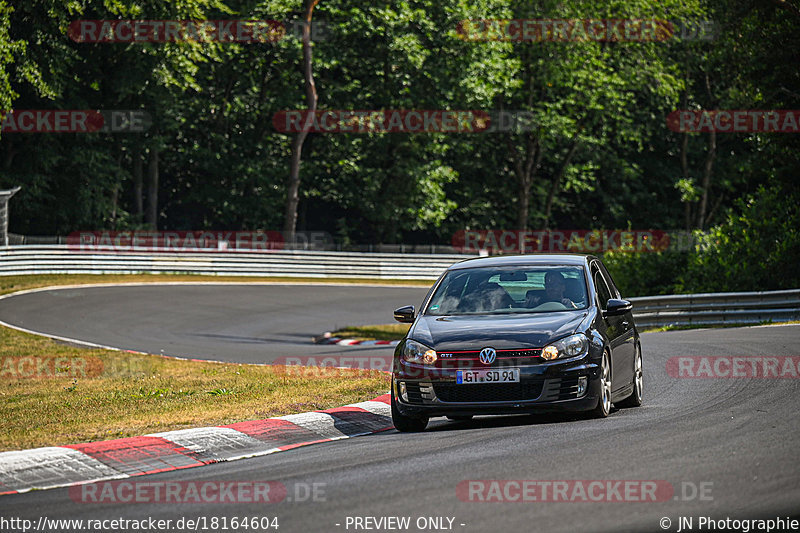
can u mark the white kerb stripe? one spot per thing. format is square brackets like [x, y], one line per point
[45, 468]
[376, 408]
[320, 423]
[220, 444]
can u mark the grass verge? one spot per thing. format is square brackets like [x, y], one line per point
[52, 394]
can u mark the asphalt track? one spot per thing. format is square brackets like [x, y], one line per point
[738, 435]
[243, 323]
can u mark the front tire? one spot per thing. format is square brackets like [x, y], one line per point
[635, 399]
[604, 401]
[406, 424]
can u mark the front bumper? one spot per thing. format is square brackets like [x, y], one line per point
[569, 385]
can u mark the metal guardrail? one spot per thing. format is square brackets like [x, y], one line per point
[717, 308]
[60, 259]
[649, 311]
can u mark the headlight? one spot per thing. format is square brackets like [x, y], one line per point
[570, 346]
[415, 352]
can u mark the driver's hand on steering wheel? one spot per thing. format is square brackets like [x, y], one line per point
[533, 302]
[569, 304]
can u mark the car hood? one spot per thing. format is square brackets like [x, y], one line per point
[513, 331]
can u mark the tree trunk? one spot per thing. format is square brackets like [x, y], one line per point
[152, 190]
[707, 171]
[687, 205]
[114, 202]
[138, 173]
[526, 172]
[709, 163]
[523, 208]
[717, 203]
[293, 188]
[115, 195]
[293, 185]
[554, 185]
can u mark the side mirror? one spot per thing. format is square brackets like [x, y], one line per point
[616, 307]
[404, 314]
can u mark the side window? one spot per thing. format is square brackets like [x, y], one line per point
[602, 290]
[611, 285]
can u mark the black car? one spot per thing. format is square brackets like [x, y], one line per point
[517, 334]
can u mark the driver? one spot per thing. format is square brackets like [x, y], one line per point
[554, 286]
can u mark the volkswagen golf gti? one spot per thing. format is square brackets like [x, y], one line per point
[517, 334]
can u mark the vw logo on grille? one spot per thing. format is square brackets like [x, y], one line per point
[487, 356]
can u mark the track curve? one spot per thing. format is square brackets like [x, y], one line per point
[738, 435]
[241, 323]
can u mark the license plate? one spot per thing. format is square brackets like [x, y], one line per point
[500, 375]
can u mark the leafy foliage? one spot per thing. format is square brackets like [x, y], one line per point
[757, 248]
[600, 154]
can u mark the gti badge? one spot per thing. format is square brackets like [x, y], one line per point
[487, 356]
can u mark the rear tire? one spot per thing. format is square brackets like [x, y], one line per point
[604, 401]
[406, 424]
[635, 399]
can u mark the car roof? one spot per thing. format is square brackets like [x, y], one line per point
[523, 260]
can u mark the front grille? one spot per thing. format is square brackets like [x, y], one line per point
[471, 359]
[488, 392]
[505, 354]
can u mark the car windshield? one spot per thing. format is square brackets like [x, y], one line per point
[521, 289]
